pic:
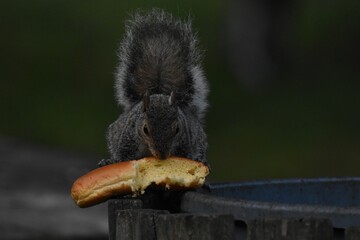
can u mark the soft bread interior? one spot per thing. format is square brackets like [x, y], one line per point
[171, 173]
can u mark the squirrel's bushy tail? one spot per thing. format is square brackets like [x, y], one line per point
[159, 55]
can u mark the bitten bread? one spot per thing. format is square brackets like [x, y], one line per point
[133, 177]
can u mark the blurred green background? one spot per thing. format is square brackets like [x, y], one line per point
[284, 79]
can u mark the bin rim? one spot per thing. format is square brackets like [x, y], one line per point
[215, 185]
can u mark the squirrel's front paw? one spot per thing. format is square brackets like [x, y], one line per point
[104, 162]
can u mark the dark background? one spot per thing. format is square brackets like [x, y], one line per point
[284, 80]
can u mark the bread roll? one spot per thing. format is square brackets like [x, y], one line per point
[133, 177]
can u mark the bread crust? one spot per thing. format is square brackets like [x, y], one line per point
[133, 177]
[99, 184]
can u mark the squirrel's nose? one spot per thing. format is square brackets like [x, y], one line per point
[163, 156]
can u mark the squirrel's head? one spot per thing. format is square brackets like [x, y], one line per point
[160, 126]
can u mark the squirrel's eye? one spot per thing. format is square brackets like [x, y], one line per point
[146, 130]
[177, 129]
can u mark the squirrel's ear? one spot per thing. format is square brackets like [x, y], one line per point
[172, 98]
[146, 101]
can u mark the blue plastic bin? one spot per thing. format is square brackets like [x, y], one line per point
[337, 199]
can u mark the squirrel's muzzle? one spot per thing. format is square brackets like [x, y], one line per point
[160, 154]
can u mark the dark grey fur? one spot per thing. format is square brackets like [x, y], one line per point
[162, 90]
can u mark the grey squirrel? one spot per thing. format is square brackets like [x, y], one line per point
[162, 90]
